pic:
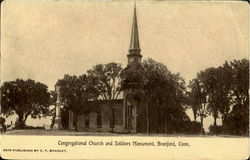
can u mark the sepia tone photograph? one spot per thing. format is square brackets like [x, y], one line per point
[125, 68]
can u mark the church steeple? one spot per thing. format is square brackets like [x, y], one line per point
[134, 42]
[134, 56]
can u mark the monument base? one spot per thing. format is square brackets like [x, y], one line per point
[57, 124]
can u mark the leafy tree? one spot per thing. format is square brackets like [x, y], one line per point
[74, 93]
[198, 102]
[192, 96]
[240, 69]
[165, 97]
[106, 80]
[238, 120]
[224, 90]
[218, 84]
[25, 98]
[210, 79]
[153, 74]
[227, 87]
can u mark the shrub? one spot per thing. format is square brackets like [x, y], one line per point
[213, 130]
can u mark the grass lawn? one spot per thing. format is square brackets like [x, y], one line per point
[44, 132]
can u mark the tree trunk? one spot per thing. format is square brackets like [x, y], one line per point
[147, 110]
[215, 125]
[194, 117]
[158, 115]
[164, 121]
[53, 122]
[224, 118]
[22, 119]
[21, 122]
[202, 125]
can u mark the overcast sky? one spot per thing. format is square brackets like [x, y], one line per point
[43, 40]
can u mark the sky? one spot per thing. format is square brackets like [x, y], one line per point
[43, 40]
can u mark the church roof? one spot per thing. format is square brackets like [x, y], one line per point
[134, 42]
[96, 105]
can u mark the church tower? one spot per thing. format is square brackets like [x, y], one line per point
[134, 115]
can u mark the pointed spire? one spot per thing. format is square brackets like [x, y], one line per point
[134, 42]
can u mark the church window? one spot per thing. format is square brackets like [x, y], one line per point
[118, 116]
[112, 123]
[87, 121]
[99, 120]
[130, 109]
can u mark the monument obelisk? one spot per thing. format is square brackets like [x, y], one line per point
[58, 124]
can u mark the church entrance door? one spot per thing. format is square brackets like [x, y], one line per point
[131, 115]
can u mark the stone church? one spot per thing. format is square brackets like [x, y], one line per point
[129, 113]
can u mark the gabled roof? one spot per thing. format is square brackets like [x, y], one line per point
[96, 105]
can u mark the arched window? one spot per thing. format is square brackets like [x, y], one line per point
[99, 120]
[130, 105]
[86, 120]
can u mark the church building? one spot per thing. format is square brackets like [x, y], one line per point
[129, 113]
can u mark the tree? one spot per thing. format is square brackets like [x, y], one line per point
[238, 119]
[224, 90]
[198, 102]
[106, 80]
[154, 74]
[192, 96]
[165, 97]
[219, 83]
[25, 98]
[210, 79]
[74, 93]
[240, 69]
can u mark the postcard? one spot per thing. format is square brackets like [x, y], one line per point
[124, 79]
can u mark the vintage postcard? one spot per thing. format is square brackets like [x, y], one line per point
[116, 79]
